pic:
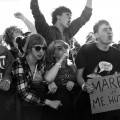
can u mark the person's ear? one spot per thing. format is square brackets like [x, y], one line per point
[54, 55]
[58, 17]
[28, 50]
[96, 35]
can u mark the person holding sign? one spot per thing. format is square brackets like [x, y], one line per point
[95, 61]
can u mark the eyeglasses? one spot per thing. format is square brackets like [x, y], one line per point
[38, 48]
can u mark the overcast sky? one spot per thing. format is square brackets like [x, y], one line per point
[102, 9]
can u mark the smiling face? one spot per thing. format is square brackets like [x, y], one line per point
[38, 51]
[64, 19]
[104, 34]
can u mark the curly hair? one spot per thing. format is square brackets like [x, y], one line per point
[9, 34]
[59, 11]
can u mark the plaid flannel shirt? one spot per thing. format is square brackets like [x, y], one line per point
[23, 77]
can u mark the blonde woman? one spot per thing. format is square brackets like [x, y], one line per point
[61, 77]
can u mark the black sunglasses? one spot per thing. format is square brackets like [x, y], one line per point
[38, 48]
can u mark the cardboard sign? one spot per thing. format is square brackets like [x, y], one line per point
[106, 96]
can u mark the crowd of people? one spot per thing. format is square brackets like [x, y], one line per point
[45, 73]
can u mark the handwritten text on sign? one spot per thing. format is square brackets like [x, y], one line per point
[107, 94]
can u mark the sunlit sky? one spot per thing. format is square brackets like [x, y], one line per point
[102, 9]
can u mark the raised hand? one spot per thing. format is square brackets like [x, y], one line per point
[19, 15]
[33, 3]
[65, 55]
[88, 87]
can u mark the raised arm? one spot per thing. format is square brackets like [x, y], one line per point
[40, 22]
[80, 21]
[89, 4]
[28, 23]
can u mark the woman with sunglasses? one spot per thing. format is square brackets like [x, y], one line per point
[61, 77]
[28, 72]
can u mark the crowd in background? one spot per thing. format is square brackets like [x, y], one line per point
[44, 72]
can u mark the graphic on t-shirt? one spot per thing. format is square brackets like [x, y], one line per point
[103, 66]
[2, 65]
[2, 62]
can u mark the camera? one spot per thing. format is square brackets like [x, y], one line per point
[21, 41]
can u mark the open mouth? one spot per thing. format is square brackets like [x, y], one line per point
[39, 56]
[110, 37]
[68, 22]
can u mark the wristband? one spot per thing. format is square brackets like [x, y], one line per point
[58, 64]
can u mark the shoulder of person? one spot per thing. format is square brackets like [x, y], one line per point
[3, 49]
[50, 62]
[115, 50]
[4, 52]
[19, 61]
[88, 47]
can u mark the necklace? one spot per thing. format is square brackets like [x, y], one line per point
[33, 67]
[35, 71]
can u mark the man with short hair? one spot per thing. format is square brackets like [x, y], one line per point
[91, 63]
[62, 28]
